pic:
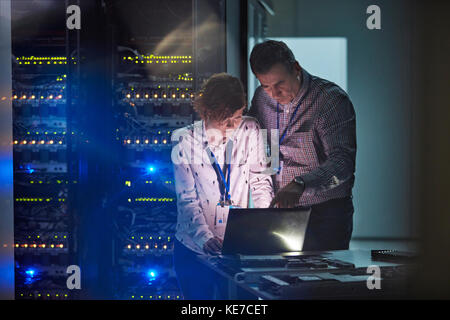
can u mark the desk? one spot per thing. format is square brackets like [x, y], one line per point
[264, 277]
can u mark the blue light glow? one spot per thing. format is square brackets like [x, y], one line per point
[30, 273]
[31, 276]
[28, 169]
[152, 274]
[150, 169]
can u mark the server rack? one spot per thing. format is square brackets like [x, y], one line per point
[98, 192]
[45, 142]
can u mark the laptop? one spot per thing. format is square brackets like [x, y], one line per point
[265, 231]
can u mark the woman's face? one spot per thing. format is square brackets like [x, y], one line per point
[230, 123]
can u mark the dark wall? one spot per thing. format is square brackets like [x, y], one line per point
[433, 177]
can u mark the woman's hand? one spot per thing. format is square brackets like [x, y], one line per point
[213, 246]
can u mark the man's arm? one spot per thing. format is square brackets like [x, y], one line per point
[337, 131]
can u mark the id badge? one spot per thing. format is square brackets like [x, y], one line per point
[279, 174]
[221, 220]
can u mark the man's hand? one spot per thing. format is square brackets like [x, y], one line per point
[288, 196]
[213, 246]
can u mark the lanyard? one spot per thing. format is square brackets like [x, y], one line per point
[292, 117]
[288, 126]
[224, 184]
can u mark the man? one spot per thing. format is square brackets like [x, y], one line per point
[317, 149]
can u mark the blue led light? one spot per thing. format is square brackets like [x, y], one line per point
[31, 276]
[150, 169]
[152, 274]
[30, 273]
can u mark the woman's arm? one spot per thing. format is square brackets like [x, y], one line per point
[191, 219]
[260, 183]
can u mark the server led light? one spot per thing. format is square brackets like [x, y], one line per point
[152, 274]
[30, 272]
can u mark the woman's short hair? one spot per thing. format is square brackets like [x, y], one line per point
[269, 53]
[220, 97]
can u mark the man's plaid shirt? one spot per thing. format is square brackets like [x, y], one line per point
[320, 144]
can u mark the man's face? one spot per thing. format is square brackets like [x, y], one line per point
[280, 84]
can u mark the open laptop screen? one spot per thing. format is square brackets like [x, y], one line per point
[265, 231]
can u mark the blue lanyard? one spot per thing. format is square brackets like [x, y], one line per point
[224, 184]
[289, 123]
[292, 117]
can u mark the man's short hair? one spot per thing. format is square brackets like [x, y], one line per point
[220, 97]
[269, 53]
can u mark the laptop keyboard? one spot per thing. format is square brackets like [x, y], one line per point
[302, 262]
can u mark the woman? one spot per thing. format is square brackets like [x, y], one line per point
[218, 162]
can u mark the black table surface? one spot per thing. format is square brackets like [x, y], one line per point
[360, 259]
